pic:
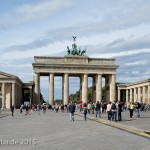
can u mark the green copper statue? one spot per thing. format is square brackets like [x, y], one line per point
[75, 50]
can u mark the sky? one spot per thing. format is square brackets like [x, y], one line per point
[108, 28]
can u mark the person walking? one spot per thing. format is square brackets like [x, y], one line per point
[71, 111]
[131, 108]
[21, 108]
[85, 111]
[98, 109]
[12, 110]
[27, 110]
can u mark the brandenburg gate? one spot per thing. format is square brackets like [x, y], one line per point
[76, 64]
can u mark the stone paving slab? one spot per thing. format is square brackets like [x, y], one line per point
[142, 124]
[56, 132]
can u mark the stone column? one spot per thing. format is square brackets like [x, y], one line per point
[80, 87]
[139, 94]
[131, 98]
[94, 88]
[112, 87]
[66, 88]
[118, 94]
[148, 92]
[99, 87]
[31, 95]
[37, 88]
[13, 94]
[85, 88]
[144, 94]
[135, 94]
[51, 89]
[127, 95]
[62, 90]
[3, 95]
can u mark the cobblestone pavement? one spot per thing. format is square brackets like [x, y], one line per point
[56, 132]
[4, 113]
[142, 123]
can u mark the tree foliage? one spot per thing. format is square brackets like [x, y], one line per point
[75, 97]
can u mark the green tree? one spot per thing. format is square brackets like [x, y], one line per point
[75, 97]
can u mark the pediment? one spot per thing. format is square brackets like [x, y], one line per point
[6, 75]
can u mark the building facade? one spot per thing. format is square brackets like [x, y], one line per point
[128, 92]
[12, 91]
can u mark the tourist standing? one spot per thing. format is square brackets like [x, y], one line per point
[109, 111]
[71, 111]
[114, 111]
[12, 110]
[93, 107]
[120, 105]
[137, 107]
[85, 111]
[98, 109]
[89, 107]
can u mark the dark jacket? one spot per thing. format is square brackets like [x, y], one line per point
[71, 108]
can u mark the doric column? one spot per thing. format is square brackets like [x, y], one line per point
[62, 90]
[148, 92]
[31, 95]
[13, 94]
[80, 87]
[94, 88]
[139, 94]
[37, 88]
[118, 94]
[3, 95]
[112, 87]
[144, 94]
[135, 94]
[66, 89]
[131, 98]
[99, 87]
[51, 89]
[127, 93]
[85, 88]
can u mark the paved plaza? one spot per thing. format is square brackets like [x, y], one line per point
[55, 131]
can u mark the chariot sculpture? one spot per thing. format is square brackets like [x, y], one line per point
[75, 50]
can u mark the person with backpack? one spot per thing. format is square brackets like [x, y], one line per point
[114, 111]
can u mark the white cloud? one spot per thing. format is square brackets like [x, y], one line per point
[120, 54]
[27, 12]
[141, 62]
[51, 49]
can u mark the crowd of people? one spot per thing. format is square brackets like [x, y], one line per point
[113, 109]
